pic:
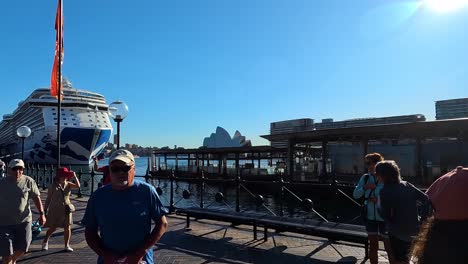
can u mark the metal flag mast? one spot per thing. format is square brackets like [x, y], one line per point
[56, 79]
[59, 79]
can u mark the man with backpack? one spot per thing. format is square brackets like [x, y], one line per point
[369, 188]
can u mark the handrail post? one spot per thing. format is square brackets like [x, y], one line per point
[79, 179]
[281, 180]
[52, 173]
[171, 201]
[202, 188]
[92, 180]
[44, 182]
[44, 171]
[147, 174]
[238, 191]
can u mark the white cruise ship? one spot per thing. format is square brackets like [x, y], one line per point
[84, 125]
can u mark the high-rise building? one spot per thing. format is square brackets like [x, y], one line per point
[453, 108]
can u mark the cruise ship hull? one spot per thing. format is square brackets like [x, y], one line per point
[85, 128]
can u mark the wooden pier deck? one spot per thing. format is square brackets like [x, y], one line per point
[207, 242]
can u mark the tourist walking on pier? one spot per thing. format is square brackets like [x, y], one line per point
[59, 208]
[398, 206]
[369, 188]
[443, 238]
[15, 215]
[118, 216]
[104, 169]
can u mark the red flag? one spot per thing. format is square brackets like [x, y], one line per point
[56, 74]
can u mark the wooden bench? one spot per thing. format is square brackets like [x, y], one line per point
[330, 230]
[219, 215]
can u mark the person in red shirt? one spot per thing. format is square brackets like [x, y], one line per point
[443, 238]
[105, 171]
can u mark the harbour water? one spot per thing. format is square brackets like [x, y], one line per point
[332, 206]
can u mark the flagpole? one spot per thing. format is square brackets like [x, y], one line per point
[59, 83]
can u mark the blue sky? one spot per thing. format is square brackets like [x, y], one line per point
[185, 66]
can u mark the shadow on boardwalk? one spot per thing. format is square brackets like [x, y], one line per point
[206, 242]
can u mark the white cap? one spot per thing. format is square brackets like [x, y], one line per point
[122, 155]
[16, 163]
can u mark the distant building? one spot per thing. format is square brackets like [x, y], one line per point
[289, 126]
[453, 108]
[222, 139]
[307, 124]
[130, 146]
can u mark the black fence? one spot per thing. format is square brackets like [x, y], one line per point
[274, 196]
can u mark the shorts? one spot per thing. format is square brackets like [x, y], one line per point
[400, 248]
[15, 237]
[376, 228]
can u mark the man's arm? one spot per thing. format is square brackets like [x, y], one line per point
[94, 242]
[156, 234]
[37, 201]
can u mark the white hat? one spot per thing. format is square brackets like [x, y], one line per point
[122, 155]
[16, 163]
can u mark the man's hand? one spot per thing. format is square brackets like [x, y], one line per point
[42, 220]
[136, 257]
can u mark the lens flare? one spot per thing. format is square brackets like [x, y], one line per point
[444, 6]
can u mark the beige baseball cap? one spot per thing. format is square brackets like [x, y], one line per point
[122, 155]
[15, 163]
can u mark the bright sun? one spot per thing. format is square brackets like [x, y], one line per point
[445, 5]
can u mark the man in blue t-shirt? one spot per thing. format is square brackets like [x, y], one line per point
[118, 216]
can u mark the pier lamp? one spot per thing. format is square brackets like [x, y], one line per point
[118, 110]
[23, 132]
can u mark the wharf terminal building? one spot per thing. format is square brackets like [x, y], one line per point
[423, 149]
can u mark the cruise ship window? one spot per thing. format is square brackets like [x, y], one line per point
[90, 120]
[73, 119]
[89, 115]
[74, 124]
[55, 123]
[64, 118]
[55, 118]
[65, 124]
[54, 113]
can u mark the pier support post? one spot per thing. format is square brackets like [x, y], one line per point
[324, 160]
[238, 191]
[418, 164]
[281, 182]
[365, 150]
[202, 189]
[291, 161]
[171, 201]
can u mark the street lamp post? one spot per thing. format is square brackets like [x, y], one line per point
[118, 110]
[23, 132]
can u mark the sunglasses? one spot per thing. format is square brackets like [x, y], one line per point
[17, 168]
[117, 169]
